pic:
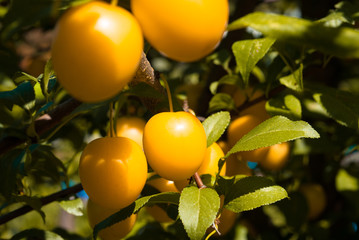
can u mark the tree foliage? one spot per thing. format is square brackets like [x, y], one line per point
[303, 61]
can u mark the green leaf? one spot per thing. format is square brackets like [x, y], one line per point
[340, 105]
[273, 131]
[74, 207]
[48, 73]
[294, 81]
[198, 209]
[340, 42]
[334, 19]
[11, 169]
[248, 53]
[226, 79]
[221, 58]
[33, 202]
[345, 13]
[36, 234]
[22, 94]
[252, 192]
[43, 162]
[25, 77]
[215, 125]
[287, 105]
[165, 197]
[224, 184]
[221, 101]
[346, 182]
[230, 79]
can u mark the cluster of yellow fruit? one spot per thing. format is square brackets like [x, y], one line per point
[271, 158]
[96, 51]
[113, 170]
[97, 46]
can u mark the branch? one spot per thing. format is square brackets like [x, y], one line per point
[46, 122]
[44, 201]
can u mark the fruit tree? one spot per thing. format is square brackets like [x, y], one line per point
[180, 119]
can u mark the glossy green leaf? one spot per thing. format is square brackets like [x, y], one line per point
[165, 197]
[273, 131]
[22, 94]
[341, 41]
[340, 105]
[287, 105]
[294, 81]
[252, 192]
[215, 125]
[248, 53]
[224, 184]
[197, 210]
[221, 101]
[74, 207]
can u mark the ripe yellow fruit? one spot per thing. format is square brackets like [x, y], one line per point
[257, 155]
[211, 159]
[223, 145]
[97, 213]
[209, 165]
[316, 198]
[234, 166]
[226, 221]
[276, 157]
[184, 30]
[131, 127]
[240, 127]
[175, 144]
[113, 171]
[162, 185]
[96, 50]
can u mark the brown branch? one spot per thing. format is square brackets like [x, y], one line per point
[44, 201]
[46, 122]
[42, 124]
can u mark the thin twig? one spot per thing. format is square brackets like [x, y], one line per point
[198, 180]
[44, 201]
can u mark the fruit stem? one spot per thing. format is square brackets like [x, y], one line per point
[114, 2]
[111, 120]
[211, 234]
[169, 95]
[198, 180]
